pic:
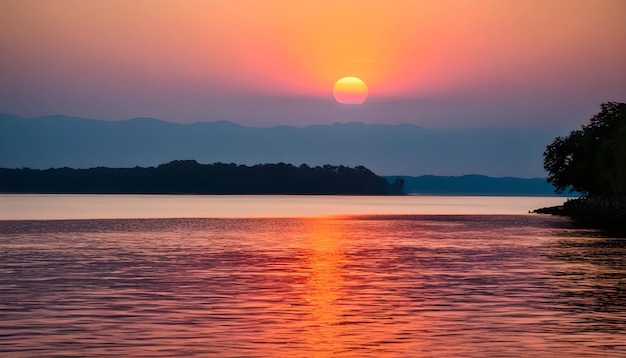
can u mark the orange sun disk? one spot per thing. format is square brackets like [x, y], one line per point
[350, 90]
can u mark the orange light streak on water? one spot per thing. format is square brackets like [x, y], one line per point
[324, 287]
[378, 286]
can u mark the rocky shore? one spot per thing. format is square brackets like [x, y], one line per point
[608, 214]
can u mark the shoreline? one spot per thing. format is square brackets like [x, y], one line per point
[607, 214]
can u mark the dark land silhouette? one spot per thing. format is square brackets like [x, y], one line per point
[592, 161]
[190, 177]
[187, 176]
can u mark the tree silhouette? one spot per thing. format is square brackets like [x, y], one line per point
[189, 177]
[591, 160]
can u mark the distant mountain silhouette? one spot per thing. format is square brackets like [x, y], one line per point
[60, 141]
[475, 185]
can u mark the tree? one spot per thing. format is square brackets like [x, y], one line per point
[591, 160]
[190, 177]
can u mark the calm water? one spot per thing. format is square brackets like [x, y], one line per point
[381, 285]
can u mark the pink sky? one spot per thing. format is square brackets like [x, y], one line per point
[440, 64]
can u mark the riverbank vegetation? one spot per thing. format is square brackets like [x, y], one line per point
[592, 161]
[190, 177]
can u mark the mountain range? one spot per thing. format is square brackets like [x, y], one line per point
[405, 149]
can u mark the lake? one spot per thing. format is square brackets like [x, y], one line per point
[305, 276]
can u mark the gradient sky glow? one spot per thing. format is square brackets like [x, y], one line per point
[440, 64]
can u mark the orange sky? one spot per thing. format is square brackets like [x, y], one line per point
[211, 60]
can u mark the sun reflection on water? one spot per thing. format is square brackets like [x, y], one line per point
[422, 286]
[324, 287]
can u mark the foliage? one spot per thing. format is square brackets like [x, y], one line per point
[189, 177]
[591, 160]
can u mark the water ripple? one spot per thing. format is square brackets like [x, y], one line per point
[394, 286]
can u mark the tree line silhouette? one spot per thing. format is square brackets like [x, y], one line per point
[190, 177]
[591, 160]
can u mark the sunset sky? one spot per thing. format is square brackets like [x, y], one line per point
[439, 64]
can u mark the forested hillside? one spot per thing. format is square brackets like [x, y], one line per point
[189, 177]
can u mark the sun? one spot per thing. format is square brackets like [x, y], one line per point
[350, 90]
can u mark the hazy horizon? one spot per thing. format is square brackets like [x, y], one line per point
[294, 125]
[492, 83]
[440, 65]
[385, 149]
